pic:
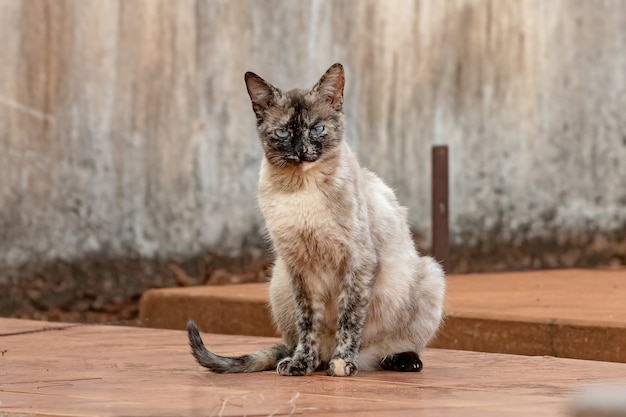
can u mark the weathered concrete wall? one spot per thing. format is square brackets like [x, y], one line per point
[125, 127]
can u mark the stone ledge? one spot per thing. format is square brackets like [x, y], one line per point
[565, 313]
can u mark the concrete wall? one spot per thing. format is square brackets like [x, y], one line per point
[125, 127]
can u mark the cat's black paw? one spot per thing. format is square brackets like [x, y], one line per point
[294, 367]
[402, 362]
[340, 367]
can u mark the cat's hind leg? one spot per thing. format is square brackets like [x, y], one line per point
[402, 362]
[429, 290]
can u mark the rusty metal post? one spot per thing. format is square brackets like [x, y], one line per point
[440, 212]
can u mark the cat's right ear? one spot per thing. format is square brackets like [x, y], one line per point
[261, 93]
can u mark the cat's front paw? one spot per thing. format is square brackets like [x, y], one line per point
[294, 367]
[339, 367]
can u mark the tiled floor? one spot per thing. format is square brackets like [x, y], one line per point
[123, 371]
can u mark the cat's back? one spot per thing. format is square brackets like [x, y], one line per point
[382, 203]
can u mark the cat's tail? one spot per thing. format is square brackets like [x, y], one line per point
[262, 360]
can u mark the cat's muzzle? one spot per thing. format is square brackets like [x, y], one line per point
[302, 157]
[308, 157]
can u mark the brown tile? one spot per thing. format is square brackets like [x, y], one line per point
[95, 370]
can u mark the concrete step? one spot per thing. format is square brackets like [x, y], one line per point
[570, 313]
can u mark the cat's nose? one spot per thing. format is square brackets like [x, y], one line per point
[303, 151]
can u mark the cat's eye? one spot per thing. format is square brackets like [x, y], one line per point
[317, 130]
[281, 133]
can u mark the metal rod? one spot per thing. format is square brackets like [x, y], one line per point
[440, 212]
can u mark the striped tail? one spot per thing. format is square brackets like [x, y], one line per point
[262, 360]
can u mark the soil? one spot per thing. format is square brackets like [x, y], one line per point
[107, 291]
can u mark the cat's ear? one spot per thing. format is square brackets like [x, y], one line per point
[260, 91]
[330, 86]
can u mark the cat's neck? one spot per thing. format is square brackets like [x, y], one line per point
[292, 179]
[300, 177]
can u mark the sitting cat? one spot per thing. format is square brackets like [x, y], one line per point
[348, 288]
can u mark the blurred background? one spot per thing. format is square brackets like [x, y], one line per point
[129, 157]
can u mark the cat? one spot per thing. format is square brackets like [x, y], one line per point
[348, 290]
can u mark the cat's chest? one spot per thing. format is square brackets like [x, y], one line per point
[303, 210]
[304, 228]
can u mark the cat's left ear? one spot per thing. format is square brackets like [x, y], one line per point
[330, 86]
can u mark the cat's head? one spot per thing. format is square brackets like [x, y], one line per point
[299, 128]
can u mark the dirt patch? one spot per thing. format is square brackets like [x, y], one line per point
[102, 290]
